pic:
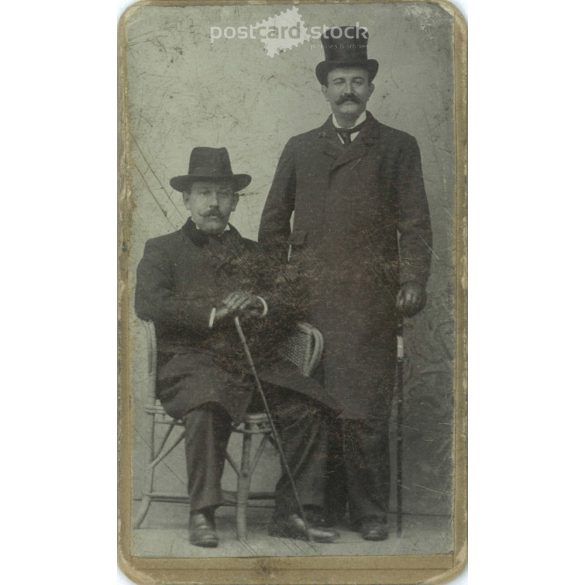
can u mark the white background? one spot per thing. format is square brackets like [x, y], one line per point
[526, 322]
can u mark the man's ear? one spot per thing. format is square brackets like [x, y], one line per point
[324, 91]
[235, 201]
[186, 196]
[372, 88]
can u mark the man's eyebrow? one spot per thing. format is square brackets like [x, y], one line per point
[354, 78]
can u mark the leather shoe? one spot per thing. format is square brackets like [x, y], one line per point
[374, 529]
[202, 529]
[316, 517]
[292, 526]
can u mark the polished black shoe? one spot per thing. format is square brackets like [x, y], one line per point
[374, 529]
[292, 526]
[202, 529]
[318, 519]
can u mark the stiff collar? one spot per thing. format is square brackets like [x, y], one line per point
[200, 238]
[369, 132]
[361, 118]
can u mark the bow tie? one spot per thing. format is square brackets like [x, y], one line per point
[346, 133]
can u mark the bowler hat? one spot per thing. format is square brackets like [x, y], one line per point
[209, 164]
[345, 46]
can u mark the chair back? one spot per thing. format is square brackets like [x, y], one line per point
[150, 386]
[303, 348]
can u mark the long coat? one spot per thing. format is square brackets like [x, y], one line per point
[361, 228]
[181, 277]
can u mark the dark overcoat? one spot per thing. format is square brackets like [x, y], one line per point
[181, 277]
[361, 228]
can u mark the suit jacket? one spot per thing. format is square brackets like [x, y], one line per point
[180, 278]
[361, 227]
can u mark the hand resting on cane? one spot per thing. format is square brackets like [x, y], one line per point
[240, 303]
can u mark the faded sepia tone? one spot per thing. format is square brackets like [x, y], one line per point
[181, 91]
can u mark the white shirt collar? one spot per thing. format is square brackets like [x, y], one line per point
[227, 228]
[361, 118]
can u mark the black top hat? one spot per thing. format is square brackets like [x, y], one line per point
[208, 164]
[345, 46]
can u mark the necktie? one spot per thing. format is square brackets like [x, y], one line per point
[346, 133]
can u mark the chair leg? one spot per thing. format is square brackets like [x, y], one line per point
[146, 499]
[149, 479]
[244, 480]
[144, 507]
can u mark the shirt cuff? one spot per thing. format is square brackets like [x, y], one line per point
[212, 318]
[264, 306]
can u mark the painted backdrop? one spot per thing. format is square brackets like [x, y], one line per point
[191, 84]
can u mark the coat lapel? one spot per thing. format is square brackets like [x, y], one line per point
[230, 249]
[218, 254]
[330, 143]
[342, 155]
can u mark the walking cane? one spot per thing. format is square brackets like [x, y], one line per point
[272, 425]
[399, 398]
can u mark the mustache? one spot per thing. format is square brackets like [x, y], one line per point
[348, 97]
[213, 213]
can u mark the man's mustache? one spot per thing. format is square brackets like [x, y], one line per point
[348, 97]
[212, 213]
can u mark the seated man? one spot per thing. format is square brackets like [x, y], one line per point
[191, 284]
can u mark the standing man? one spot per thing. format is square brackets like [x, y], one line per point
[191, 284]
[362, 240]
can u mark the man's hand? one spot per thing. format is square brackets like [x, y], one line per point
[411, 299]
[239, 303]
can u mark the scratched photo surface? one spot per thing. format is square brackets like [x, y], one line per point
[189, 83]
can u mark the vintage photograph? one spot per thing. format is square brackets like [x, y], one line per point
[292, 289]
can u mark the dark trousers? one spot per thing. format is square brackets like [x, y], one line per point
[358, 471]
[302, 427]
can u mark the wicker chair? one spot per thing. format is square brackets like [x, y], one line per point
[303, 348]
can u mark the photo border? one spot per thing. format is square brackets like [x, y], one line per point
[341, 570]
